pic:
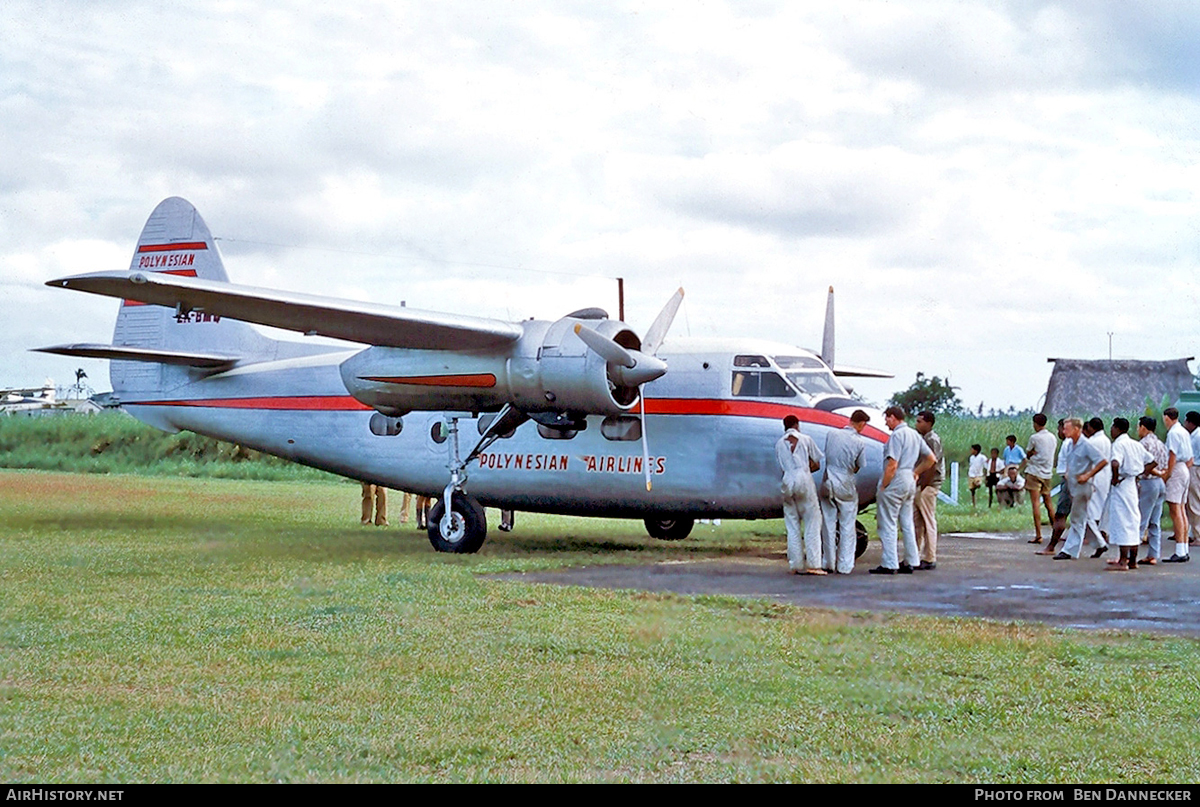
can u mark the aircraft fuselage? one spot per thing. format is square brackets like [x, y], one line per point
[711, 451]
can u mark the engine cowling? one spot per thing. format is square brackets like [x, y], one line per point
[549, 369]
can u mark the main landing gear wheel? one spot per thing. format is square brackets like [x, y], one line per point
[669, 529]
[468, 526]
[860, 533]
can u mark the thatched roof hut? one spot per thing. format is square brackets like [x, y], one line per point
[1103, 387]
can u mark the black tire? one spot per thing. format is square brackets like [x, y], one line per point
[468, 522]
[669, 529]
[860, 533]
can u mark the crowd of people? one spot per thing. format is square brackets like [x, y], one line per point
[1112, 493]
[820, 523]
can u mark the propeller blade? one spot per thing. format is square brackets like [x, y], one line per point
[645, 442]
[604, 347]
[662, 323]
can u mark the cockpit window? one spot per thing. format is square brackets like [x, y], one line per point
[810, 375]
[799, 362]
[753, 384]
[751, 361]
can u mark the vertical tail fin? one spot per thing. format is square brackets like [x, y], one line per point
[827, 337]
[176, 241]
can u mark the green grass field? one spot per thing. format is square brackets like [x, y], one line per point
[164, 629]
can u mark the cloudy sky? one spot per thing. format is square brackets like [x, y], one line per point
[985, 184]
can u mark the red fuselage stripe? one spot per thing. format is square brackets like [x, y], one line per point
[753, 409]
[471, 380]
[189, 245]
[654, 406]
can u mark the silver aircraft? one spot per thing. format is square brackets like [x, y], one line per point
[579, 416]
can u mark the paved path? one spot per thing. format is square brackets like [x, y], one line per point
[979, 575]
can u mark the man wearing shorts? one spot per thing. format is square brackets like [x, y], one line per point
[1179, 461]
[1039, 469]
[976, 470]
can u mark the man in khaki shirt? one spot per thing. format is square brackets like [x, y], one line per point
[928, 485]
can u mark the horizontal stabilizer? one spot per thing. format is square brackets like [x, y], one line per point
[843, 371]
[119, 353]
[367, 323]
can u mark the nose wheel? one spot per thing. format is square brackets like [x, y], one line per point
[466, 529]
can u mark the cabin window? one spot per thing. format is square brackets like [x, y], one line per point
[383, 426]
[760, 385]
[551, 433]
[621, 427]
[438, 432]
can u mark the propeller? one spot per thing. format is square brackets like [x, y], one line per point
[627, 368]
[636, 368]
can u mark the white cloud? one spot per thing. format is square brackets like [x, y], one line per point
[986, 184]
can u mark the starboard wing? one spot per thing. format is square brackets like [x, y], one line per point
[845, 371]
[367, 323]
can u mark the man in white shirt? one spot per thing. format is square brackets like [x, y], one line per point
[1039, 470]
[1129, 459]
[905, 457]
[1098, 506]
[798, 457]
[1177, 477]
[1008, 489]
[976, 470]
[1084, 462]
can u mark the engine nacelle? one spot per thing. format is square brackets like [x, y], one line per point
[549, 369]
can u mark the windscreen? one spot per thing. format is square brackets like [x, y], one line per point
[809, 375]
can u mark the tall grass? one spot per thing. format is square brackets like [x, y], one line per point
[958, 433]
[113, 442]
